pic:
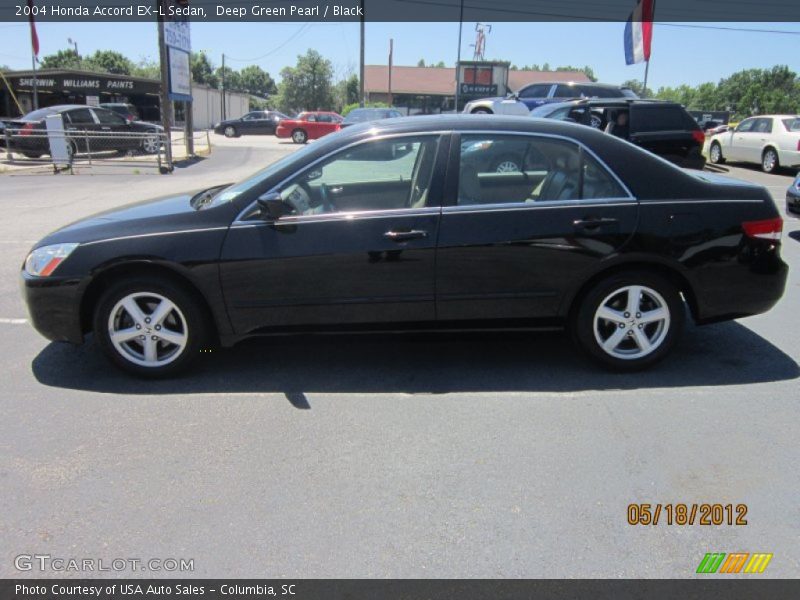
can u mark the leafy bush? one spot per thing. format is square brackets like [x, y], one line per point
[347, 108]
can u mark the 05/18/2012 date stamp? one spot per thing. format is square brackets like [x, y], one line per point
[687, 514]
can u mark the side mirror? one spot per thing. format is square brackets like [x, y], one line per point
[273, 206]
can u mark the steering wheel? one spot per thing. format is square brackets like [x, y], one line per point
[325, 196]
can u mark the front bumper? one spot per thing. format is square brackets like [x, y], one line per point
[53, 306]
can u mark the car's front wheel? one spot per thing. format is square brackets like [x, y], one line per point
[150, 327]
[150, 144]
[481, 111]
[230, 131]
[629, 320]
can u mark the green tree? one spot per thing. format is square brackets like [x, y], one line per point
[421, 62]
[587, 70]
[63, 59]
[109, 61]
[638, 88]
[203, 70]
[257, 81]
[229, 77]
[346, 92]
[147, 68]
[308, 85]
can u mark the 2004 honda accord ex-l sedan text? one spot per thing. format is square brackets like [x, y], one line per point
[404, 224]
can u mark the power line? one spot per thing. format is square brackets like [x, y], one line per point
[302, 28]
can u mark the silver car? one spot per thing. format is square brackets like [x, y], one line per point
[772, 141]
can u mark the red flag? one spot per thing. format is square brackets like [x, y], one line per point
[34, 37]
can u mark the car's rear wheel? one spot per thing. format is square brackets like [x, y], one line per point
[629, 320]
[299, 136]
[715, 154]
[769, 161]
[32, 154]
[229, 131]
[150, 327]
[481, 111]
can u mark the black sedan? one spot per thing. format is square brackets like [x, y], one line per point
[88, 129]
[351, 233]
[257, 122]
[793, 197]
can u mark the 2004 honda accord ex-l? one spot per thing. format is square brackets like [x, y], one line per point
[409, 224]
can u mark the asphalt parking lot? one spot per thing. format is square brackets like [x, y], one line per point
[502, 455]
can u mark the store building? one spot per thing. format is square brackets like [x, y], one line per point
[431, 90]
[65, 86]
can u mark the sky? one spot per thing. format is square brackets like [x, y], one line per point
[681, 53]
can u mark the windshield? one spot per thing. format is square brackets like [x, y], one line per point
[792, 124]
[233, 192]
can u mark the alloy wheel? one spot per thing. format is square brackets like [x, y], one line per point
[150, 144]
[230, 131]
[299, 137]
[148, 329]
[507, 166]
[716, 153]
[770, 161]
[631, 322]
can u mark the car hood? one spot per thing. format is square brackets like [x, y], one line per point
[166, 214]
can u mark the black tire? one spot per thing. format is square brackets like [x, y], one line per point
[191, 320]
[33, 155]
[769, 161]
[625, 356]
[299, 136]
[230, 132]
[482, 111]
[715, 154]
[150, 144]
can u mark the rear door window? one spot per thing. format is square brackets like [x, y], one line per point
[80, 116]
[535, 91]
[567, 91]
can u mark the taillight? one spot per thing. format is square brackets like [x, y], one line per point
[699, 136]
[798, 145]
[768, 229]
[27, 129]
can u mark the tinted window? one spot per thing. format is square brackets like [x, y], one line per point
[107, 117]
[535, 91]
[660, 118]
[567, 91]
[80, 116]
[497, 169]
[325, 119]
[376, 175]
[600, 92]
[792, 124]
[763, 126]
[745, 125]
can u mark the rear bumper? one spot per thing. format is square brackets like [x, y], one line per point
[789, 158]
[53, 307]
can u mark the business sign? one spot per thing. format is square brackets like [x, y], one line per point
[88, 83]
[478, 89]
[178, 39]
[180, 75]
[93, 100]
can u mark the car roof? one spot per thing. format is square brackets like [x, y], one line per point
[586, 83]
[773, 117]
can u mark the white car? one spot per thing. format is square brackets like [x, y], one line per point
[769, 140]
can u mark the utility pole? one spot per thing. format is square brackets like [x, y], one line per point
[166, 103]
[222, 88]
[391, 52]
[361, 61]
[458, 59]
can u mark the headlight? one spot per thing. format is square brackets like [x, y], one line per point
[43, 261]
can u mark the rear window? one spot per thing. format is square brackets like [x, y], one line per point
[792, 124]
[601, 92]
[661, 118]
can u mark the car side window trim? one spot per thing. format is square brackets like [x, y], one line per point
[450, 200]
[245, 216]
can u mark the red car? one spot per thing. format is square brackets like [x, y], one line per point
[308, 126]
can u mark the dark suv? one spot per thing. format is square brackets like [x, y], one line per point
[663, 128]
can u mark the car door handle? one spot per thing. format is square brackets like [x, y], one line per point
[593, 222]
[106, 128]
[402, 236]
[336, 190]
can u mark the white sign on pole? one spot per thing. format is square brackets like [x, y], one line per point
[58, 142]
[179, 74]
[93, 100]
[176, 35]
